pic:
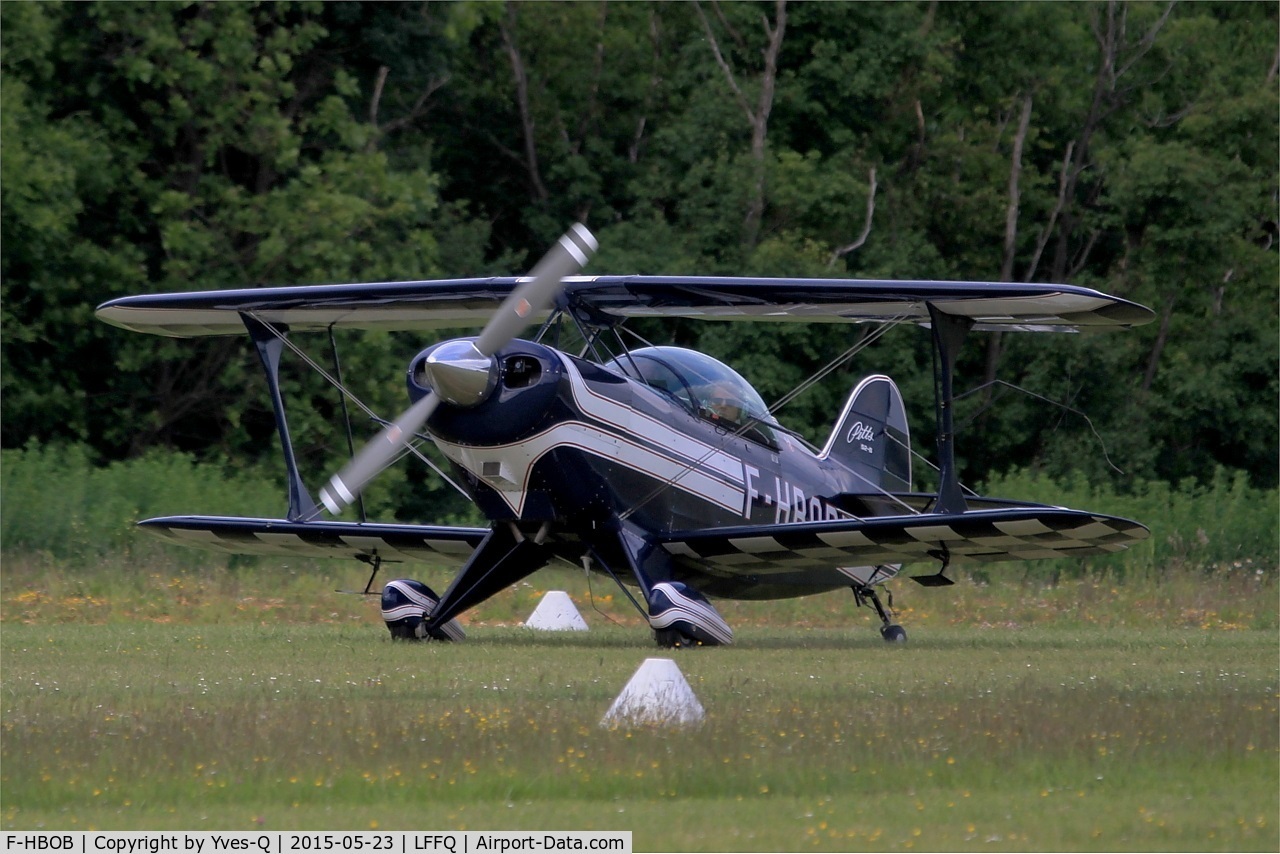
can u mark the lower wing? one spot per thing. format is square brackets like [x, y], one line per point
[238, 535]
[1021, 533]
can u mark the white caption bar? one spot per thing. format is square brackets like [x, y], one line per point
[298, 842]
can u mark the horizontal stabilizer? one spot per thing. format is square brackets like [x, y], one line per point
[248, 536]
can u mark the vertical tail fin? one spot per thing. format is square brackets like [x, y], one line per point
[871, 436]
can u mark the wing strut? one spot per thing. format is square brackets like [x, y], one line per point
[270, 344]
[949, 332]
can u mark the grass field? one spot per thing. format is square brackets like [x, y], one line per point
[1083, 716]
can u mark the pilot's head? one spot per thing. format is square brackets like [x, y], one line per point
[720, 403]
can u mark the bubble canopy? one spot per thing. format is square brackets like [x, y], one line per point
[703, 385]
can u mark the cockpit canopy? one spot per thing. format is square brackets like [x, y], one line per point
[703, 385]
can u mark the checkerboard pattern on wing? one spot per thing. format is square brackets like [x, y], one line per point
[974, 536]
[315, 539]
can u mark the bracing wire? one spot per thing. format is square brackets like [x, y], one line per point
[1101, 442]
[930, 464]
[349, 395]
[862, 343]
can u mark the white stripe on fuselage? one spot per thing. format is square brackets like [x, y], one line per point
[685, 463]
[631, 421]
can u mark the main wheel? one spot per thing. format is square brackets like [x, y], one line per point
[894, 634]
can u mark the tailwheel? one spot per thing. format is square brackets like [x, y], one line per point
[673, 639]
[889, 630]
[893, 634]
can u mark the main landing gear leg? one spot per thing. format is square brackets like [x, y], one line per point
[889, 630]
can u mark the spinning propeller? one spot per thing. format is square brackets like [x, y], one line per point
[464, 372]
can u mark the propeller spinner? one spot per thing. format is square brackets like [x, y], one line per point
[464, 372]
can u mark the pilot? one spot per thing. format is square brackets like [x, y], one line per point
[721, 403]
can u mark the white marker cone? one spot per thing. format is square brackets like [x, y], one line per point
[556, 613]
[656, 695]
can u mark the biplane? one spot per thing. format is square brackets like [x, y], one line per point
[657, 466]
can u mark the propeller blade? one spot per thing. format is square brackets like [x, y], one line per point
[566, 258]
[344, 486]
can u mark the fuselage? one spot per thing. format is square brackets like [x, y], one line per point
[575, 443]
[570, 446]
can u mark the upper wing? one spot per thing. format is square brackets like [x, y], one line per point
[1023, 533]
[466, 302]
[238, 535]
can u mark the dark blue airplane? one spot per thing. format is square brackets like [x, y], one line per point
[660, 467]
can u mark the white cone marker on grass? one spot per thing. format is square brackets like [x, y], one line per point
[556, 613]
[657, 695]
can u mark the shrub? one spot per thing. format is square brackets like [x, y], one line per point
[55, 501]
[1223, 524]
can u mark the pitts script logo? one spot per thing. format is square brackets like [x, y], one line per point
[863, 434]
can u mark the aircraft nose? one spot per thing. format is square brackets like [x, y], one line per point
[460, 374]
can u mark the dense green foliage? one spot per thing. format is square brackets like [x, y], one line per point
[1130, 147]
[1220, 524]
[57, 503]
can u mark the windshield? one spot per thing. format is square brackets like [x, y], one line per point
[707, 387]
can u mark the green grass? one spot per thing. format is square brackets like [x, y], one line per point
[41, 588]
[1006, 739]
[1123, 704]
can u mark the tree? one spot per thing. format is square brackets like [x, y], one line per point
[200, 147]
[757, 112]
[1125, 146]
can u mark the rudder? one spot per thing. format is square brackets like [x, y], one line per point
[872, 438]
